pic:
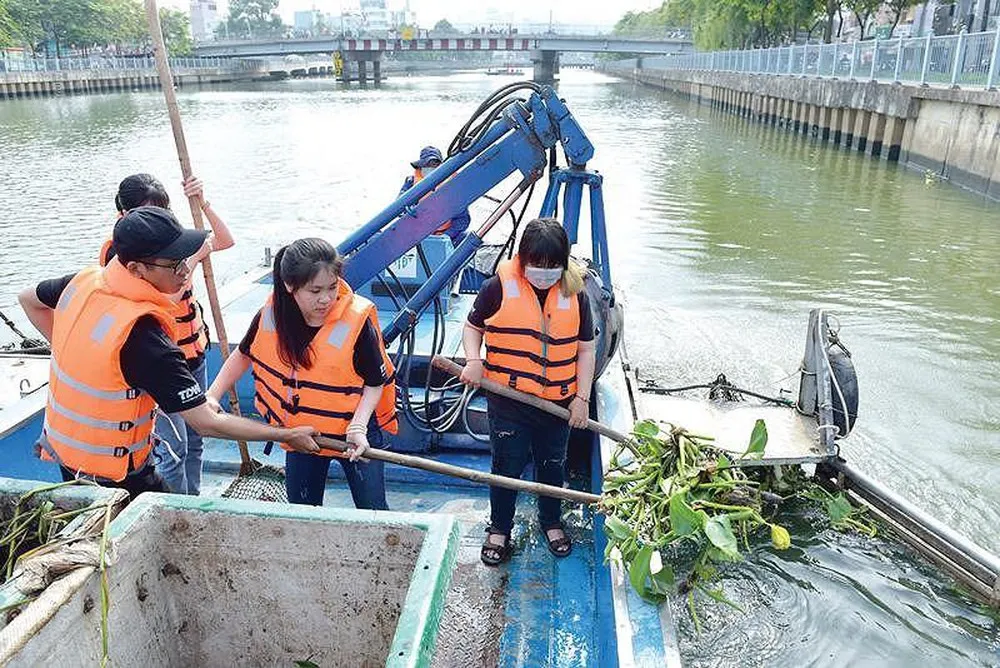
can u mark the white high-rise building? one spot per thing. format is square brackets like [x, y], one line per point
[376, 16]
[204, 19]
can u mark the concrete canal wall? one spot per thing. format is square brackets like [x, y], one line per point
[74, 82]
[951, 132]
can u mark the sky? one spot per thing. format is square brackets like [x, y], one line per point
[429, 12]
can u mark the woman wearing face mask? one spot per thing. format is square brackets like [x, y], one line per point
[317, 358]
[178, 449]
[539, 333]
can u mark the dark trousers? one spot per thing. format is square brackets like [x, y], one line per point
[305, 477]
[514, 444]
[145, 479]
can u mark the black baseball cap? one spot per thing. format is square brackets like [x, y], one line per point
[152, 232]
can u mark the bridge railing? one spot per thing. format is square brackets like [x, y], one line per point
[122, 63]
[558, 32]
[966, 60]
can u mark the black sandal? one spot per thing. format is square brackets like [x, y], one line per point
[559, 547]
[492, 554]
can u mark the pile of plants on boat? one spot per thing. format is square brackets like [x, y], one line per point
[42, 539]
[676, 508]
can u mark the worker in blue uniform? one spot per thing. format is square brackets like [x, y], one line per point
[429, 160]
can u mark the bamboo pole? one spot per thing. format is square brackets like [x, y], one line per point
[455, 369]
[467, 474]
[195, 203]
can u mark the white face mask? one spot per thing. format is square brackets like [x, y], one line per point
[542, 278]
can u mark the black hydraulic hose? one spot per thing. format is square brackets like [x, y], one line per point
[508, 246]
[711, 386]
[490, 109]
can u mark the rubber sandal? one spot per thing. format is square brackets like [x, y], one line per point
[559, 547]
[492, 554]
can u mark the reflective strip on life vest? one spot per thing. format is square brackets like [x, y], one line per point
[126, 425]
[110, 395]
[118, 451]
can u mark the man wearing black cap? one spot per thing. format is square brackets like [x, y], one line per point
[114, 360]
[429, 160]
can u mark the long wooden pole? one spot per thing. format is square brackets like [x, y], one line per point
[467, 474]
[167, 84]
[455, 369]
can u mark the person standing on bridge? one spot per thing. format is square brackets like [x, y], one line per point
[178, 451]
[429, 160]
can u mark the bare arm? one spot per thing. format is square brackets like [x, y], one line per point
[236, 365]
[472, 345]
[221, 236]
[208, 422]
[369, 400]
[40, 315]
[579, 406]
[585, 365]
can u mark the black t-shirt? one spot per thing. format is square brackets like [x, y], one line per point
[149, 359]
[486, 305]
[367, 351]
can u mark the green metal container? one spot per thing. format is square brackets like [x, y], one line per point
[211, 582]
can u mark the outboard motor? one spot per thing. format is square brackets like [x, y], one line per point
[609, 317]
[828, 388]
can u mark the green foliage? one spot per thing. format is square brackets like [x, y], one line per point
[253, 18]
[444, 26]
[677, 509]
[758, 441]
[718, 24]
[57, 26]
[674, 507]
[176, 28]
[862, 10]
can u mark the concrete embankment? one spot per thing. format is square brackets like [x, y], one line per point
[72, 82]
[951, 132]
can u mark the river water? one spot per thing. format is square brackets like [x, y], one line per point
[723, 235]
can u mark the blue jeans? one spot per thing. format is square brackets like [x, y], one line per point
[305, 476]
[514, 444]
[178, 450]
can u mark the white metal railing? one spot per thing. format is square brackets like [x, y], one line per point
[966, 60]
[13, 64]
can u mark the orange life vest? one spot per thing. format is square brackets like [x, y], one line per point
[294, 397]
[530, 348]
[418, 176]
[95, 423]
[191, 329]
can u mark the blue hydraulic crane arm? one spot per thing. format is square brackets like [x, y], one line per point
[517, 141]
[515, 152]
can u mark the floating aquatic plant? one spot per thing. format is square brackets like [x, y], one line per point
[677, 508]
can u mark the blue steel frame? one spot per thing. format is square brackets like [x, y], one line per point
[516, 142]
[574, 179]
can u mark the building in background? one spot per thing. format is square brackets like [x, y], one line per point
[204, 19]
[306, 22]
[944, 18]
[375, 17]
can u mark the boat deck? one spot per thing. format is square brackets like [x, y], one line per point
[535, 610]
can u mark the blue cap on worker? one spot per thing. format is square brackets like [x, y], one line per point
[428, 154]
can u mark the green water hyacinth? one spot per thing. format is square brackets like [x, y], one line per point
[676, 508]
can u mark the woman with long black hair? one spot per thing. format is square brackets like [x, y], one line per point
[317, 357]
